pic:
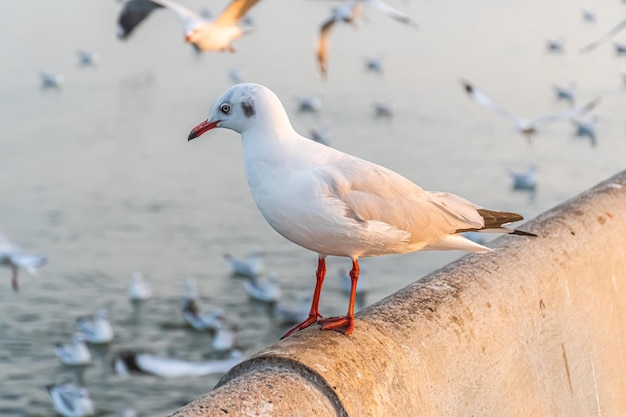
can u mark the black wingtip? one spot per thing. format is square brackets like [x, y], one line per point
[522, 233]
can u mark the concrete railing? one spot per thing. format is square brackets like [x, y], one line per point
[537, 328]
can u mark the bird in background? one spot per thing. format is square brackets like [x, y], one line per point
[252, 266]
[350, 12]
[17, 258]
[527, 127]
[87, 58]
[203, 34]
[74, 353]
[70, 400]
[587, 129]
[50, 80]
[139, 289]
[336, 204]
[96, 329]
[525, 180]
[567, 94]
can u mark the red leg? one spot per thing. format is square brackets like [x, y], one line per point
[345, 324]
[314, 312]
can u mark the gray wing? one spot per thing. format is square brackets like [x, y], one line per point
[133, 13]
[392, 12]
[136, 11]
[373, 193]
[568, 114]
[608, 35]
[486, 101]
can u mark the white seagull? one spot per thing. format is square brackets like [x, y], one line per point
[50, 80]
[225, 337]
[266, 290]
[527, 127]
[250, 267]
[75, 353]
[349, 12]
[587, 129]
[310, 104]
[286, 313]
[336, 204]
[525, 180]
[130, 362]
[87, 58]
[203, 34]
[70, 400]
[139, 288]
[566, 93]
[17, 258]
[96, 329]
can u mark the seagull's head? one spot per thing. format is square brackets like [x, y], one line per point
[243, 107]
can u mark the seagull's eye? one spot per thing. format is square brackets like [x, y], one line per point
[225, 108]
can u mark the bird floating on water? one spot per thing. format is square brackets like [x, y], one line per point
[252, 266]
[336, 204]
[139, 288]
[266, 289]
[203, 34]
[131, 362]
[75, 353]
[70, 400]
[96, 329]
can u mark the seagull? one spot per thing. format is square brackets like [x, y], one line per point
[587, 129]
[130, 362]
[608, 35]
[50, 80]
[70, 400]
[383, 109]
[350, 12]
[96, 329]
[311, 104]
[250, 267]
[202, 321]
[225, 338]
[235, 75]
[139, 289]
[16, 258]
[75, 353]
[555, 45]
[589, 15]
[526, 127]
[203, 34]
[525, 180]
[374, 65]
[266, 290]
[336, 204]
[620, 48]
[87, 58]
[566, 93]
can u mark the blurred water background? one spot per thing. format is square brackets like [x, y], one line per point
[99, 177]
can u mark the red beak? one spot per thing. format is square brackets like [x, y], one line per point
[201, 128]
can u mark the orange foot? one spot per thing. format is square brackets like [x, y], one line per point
[344, 325]
[306, 323]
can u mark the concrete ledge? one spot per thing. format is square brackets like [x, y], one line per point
[535, 328]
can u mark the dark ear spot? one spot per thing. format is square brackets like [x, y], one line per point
[248, 108]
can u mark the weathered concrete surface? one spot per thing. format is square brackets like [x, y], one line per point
[536, 328]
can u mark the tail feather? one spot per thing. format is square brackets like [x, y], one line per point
[494, 222]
